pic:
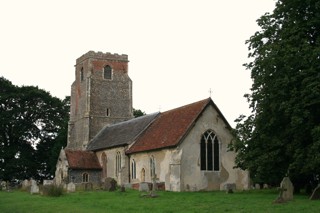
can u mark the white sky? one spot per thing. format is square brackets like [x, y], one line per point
[178, 49]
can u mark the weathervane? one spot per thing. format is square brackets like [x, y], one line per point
[210, 92]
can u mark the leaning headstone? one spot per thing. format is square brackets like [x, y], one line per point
[71, 187]
[286, 191]
[34, 187]
[315, 194]
[143, 187]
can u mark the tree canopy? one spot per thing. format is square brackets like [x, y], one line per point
[32, 123]
[282, 135]
[138, 113]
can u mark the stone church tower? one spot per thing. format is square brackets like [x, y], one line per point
[100, 95]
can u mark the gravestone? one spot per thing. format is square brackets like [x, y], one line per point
[113, 185]
[122, 188]
[154, 186]
[71, 187]
[25, 184]
[288, 186]
[3, 185]
[47, 182]
[230, 187]
[257, 186]
[265, 186]
[34, 187]
[286, 191]
[315, 194]
[110, 184]
[143, 187]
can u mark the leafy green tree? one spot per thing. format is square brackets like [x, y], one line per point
[30, 122]
[282, 135]
[138, 113]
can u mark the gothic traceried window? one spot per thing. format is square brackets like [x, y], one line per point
[209, 152]
[107, 72]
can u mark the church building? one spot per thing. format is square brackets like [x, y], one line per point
[183, 149]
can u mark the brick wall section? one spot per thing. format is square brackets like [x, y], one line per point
[93, 97]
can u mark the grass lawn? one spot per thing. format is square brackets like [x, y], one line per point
[131, 201]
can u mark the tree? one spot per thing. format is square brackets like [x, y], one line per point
[138, 113]
[30, 121]
[282, 135]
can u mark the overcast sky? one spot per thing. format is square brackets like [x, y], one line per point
[178, 49]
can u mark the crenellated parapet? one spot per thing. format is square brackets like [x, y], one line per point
[103, 56]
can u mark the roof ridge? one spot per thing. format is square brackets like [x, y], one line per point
[187, 105]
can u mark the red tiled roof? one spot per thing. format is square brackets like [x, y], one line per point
[169, 127]
[78, 159]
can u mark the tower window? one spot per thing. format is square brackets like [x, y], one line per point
[81, 74]
[107, 72]
[108, 112]
[209, 152]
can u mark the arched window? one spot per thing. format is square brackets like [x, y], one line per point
[133, 169]
[118, 163]
[85, 177]
[81, 74]
[107, 72]
[209, 152]
[152, 167]
[104, 165]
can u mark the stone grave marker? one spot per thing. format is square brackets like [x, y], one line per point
[286, 191]
[34, 187]
[315, 194]
[71, 187]
[230, 188]
[122, 188]
[47, 182]
[113, 185]
[154, 186]
[257, 186]
[25, 184]
[288, 186]
[3, 185]
[143, 187]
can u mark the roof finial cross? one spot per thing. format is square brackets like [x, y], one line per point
[210, 92]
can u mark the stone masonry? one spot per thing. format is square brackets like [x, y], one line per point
[114, 96]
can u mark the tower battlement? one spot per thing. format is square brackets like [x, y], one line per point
[103, 56]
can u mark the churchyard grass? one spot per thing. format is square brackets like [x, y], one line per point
[131, 201]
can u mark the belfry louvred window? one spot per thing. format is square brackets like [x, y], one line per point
[107, 72]
[209, 152]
